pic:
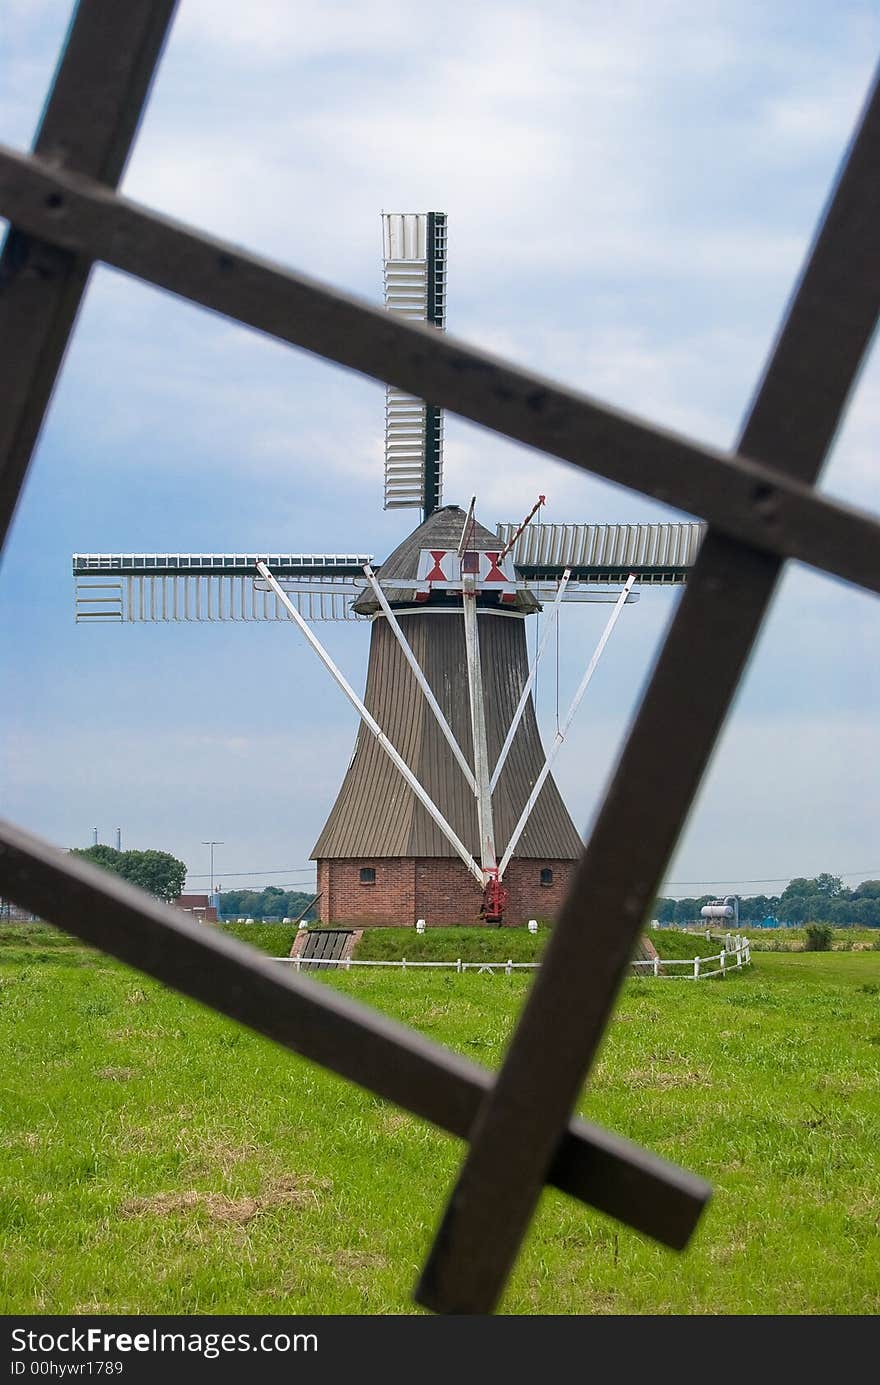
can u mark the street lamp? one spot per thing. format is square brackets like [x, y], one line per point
[212, 845]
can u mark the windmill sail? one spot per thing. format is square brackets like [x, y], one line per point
[137, 587]
[414, 258]
[659, 554]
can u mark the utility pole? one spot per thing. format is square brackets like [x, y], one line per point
[212, 845]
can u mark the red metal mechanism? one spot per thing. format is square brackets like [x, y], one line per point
[541, 500]
[495, 898]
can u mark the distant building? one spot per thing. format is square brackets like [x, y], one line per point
[199, 905]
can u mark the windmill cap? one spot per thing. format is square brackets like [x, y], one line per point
[441, 530]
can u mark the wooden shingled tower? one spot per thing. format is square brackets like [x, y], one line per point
[381, 857]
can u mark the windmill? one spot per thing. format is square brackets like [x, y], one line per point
[448, 809]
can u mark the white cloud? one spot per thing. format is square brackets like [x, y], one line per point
[552, 138]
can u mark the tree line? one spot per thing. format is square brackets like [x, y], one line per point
[269, 903]
[821, 899]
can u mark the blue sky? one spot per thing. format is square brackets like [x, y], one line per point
[631, 190]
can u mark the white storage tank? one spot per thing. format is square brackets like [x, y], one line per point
[726, 909]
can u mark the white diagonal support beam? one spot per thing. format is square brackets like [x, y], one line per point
[563, 730]
[529, 683]
[488, 859]
[420, 678]
[466, 528]
[370, 722]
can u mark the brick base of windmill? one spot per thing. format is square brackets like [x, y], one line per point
[395, 891]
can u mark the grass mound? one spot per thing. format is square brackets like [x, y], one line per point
[448, 944]
[275, 939]
[499, 944]
[674, 945]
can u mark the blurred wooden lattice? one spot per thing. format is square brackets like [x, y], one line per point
[761, 508]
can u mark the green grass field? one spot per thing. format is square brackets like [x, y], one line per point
[789, 938]
[159, 1159]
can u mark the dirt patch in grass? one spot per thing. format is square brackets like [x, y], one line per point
[292, 1190]
[141, 1036]
[31, 1139]
[116, 1074]
[218, 1206]
[865, 1208]
[433, 1014]
[724, 1252]
[350, 1262]
[392, 1121]
[589, 1301]
[223, 1154]
[662, 1078]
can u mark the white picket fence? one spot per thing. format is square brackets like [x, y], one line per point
[733, 955]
